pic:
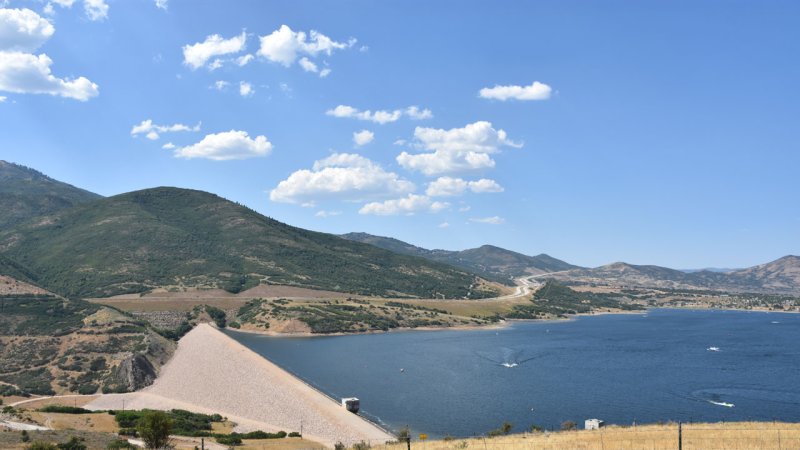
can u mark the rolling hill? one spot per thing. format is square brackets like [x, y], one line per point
[781, 276]
[185, 238]
[487, 260]
[26, 193]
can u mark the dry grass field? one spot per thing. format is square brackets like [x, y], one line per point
[716, 436]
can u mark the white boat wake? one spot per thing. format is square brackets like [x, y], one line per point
[725, 404]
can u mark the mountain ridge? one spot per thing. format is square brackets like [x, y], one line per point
[28, 193]
[487, 260]
[166, 236]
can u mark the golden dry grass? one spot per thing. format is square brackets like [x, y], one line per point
[71, 400]
[718, 436]
[99, 422]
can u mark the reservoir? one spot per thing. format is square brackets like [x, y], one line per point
[678, 365]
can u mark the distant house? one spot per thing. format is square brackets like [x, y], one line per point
[593, 424]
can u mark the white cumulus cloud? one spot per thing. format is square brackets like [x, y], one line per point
[363, 137]
[380, 116]
[198, 54]
[455, 150]
[536, 91]
[494, 220]
[161, 4]
[24, 73]
[408, 205]
[226, 146]
[341, 176]
[246, 89]
[152, 131]
[95, 9]
[23, 30]
[450, 187]
[284, 46]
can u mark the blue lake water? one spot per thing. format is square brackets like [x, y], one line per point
[619, 368]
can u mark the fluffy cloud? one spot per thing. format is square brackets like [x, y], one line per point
[310, 66]
[323, 214]
[409, 205]
[161, 4]
[24, 73]
[226, 146]
[151, 131]
[197, 55]
[536, 91]
[494, 220]
[246, 89]
[244, 60]
[168, 146]
[380, 116]
[284, 46]
[220, 85]
[418, 114]
[22, 30]
[95, 9]
[363, 137]
[455, 150]
[343, 176]
[450, 187]
[2, 99]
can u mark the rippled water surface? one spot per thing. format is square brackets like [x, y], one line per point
[620, 368]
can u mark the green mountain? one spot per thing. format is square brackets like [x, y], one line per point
[26, 193]
[178, 237]
[488, 261]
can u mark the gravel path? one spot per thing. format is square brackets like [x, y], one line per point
[212, 373]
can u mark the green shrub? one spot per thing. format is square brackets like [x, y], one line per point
[39, 445]
[74, 443]
[569, 426]
[64, 409]
[154, 428]
[120, 444]
[229, 440]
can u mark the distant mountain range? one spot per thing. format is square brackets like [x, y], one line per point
[487, 260]
[76, 243]
[79, 244]
[781, 276]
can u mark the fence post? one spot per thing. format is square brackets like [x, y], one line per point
[680, 435]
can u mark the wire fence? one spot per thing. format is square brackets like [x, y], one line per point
[667, 437]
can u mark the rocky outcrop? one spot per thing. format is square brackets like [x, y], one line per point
[135, 372]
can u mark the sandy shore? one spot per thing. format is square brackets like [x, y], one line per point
[212, 373]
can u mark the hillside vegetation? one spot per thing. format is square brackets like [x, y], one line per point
[26, 194]
[184, 238]
[489, 261]
[50, 345]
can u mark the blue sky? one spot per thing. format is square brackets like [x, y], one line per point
[648, 132]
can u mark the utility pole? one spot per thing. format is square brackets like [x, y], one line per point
[680, 435]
